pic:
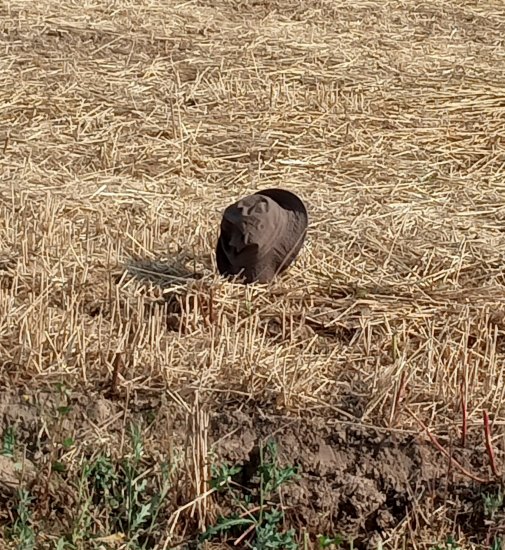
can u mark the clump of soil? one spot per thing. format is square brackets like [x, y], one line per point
[356, 481]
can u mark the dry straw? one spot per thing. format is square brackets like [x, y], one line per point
[126, 128]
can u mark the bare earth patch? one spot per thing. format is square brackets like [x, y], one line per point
[131, 373]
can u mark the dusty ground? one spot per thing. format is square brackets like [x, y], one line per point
[126, 128]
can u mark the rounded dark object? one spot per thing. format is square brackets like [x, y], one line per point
[261, 235]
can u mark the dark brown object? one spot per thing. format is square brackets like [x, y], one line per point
[261, 235]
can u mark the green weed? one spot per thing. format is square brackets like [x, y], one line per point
[9, 442]
[260, 527]
[330, 542]
[22, 532]
[449, 544]
[221, 475]
[127, 495]
[493, 503]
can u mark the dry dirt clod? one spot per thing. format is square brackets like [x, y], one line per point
[14, 474]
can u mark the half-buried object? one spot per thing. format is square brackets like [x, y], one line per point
[261, 235]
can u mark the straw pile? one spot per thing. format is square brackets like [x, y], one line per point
[127, 127]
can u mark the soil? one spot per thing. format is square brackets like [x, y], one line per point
[359, 482]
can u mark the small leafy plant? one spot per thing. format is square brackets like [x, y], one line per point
[258, 521]
[449, 544]
[22, 532]
[493, 503]
[126, 492]
[330, 542]
[9, 442]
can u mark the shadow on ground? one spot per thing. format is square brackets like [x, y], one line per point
[164, 272]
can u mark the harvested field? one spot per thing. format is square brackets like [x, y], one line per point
[135, 382]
